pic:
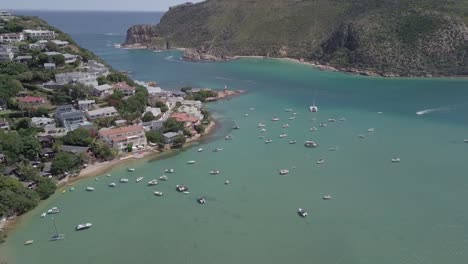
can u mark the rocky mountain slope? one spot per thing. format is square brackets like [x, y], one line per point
[388, 37]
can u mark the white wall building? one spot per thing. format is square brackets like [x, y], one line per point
[11, 37]
[40, 34]
[101, 113]
[86, 104]
[76, 77]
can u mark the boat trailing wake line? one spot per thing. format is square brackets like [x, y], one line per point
[432, 110]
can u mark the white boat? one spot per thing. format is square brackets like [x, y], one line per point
[320, 161]
[201, 200]
[235, 127]
[246, 115]
[43, 215]
[83, 226]
[465, 140]
[288, 110]
[163, 178]
[215, 172]
[261, 124]
[169, 170]
[217, 149]
[28, 242]
[285, 125]
[200, 150]
[108, 175]
[139, 179]
[263, 130]
[284, 172]
[283, 135]
[310, 144]
[332, 120]
[295, 113]
[117, 46]
[370, 130]
[292, 142]
[302, 212]
[252, 109]
[112, 184]
[291, 118]
[123, 180]
[226, 182]
[396, 160]
[228, 137]
[191, 162]
[313, 109]
[131, 169]
[333, 149]
[274, 119]
[342, 119]
[181, 188]
[90, 189]
[313, 129]
[57, 235]
[53, 210]
[152, 182]
[157, 193]
[323, 125]
[268, 141]
[327, 197]
[361, 136]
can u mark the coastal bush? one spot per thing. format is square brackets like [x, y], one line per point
[65, 162]
[200, 129]
[148, 116]
[45, 187]
[201, 95]
[102, 151]
[15, 198]
[27, 172]
[78, 137]
[179, 141]
[18, 147]
[161, 105]
[172, 125]
[130, 147]
[9, 87]
[154, 137]
[59, 60]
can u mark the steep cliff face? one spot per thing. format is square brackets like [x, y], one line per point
[402, 37]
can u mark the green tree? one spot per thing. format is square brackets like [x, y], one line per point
[172, 125]
[58, 59]
[30, 147]
[154, 137]
[161, 105]
[102, 151]
[45, 187]
[9, 87]
[50, 46]
[102, 80]
[130, 147]
[148, 116]
[23, 123]
[179, 141]
[27, 172]
[15, 198]
[65, 162]
[200, 129]
[78, 137]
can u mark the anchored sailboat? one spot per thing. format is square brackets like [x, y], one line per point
[57, 236]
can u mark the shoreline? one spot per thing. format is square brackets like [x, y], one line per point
[100, 168]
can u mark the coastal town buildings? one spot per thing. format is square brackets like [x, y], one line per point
[70, 58]
[70, 118]
[23, 59]
[6, 56]
[102, 113]
[49, 66]
[120, 138]
[60, 43]
[96, 68]
[5, 15]
[103, 90]
[123, 87]
[76, 77]
[39, 34]
[86, 104]
[30, 101]
[191, 110]
[42, 122]
[11, 37]
[170, 136]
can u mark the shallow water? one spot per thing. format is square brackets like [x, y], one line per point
[381, 212]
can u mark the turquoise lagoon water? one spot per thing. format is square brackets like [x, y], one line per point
[410, 212]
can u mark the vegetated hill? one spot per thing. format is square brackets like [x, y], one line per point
[402, 37]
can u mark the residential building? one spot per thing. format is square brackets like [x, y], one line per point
[101, 113]
[48, 153]
[103, 90]
[11, 37]
[191, 110]
[69, 117]
[120, 122]
[189, 120]
[50, 66]
[197, 104]
[9, 48]
[86, 104]
[42, 122]
[170, 136]
[6, 56]
[74, 149]
[60, 43]
[64, 109]
[40, 34]
[70, 58]
[76, 77]
[120, 138]
[155, 111]
[5, 15]
[52, 53]
[4, 125]
[153, 90]
[46, 141]
[96, 68]
[31, 100]
[154, 125]
[126, 89]
[23, 59]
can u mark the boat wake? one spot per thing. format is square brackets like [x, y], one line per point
[113, 34]
[433, 110]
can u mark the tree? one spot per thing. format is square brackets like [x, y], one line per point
[154, 137]
[15, 198]
[12, 68]
[161, 105]
[172, 125]
[200, 129]
[30, 147]
[9, 87]
[50, 46]
[148, 116]
[45, 188]
[58, 59]
[23, 123]
[27, 172]
[102, 151]
[130, 147]
[179, 141]
[65, 162]
[102, 80]
[78, 137]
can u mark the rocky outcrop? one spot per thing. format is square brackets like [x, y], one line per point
[388, 37]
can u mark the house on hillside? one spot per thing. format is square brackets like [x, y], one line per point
[30, 101]
[6, 56]
[70, 118]
[120, 138]
[23, 59]
[188, 120]
[49, 66]
[39, 34]
[12, 37]
[102, 113]
[60, 43]
[170, 136]
[123, 87]
[75, 149]
[70, 58]
[103, 90]
[86, 104]
[41, 122]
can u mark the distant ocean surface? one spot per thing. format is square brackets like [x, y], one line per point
[381, 212]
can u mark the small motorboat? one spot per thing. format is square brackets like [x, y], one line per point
[186, 192]
[28, 242]
[53, 210]
[152, 182]
[169, 170]
[274, 119]
[43, 215]
[396, 160]
[201, 200]
[370, 130]
[283, 135]
[97, 179]
[379, 113]
[327, 197]
[90, 189]
[361, 136]
[291, 118]
[261, 124]
[320, 161]
[332, 120]
[108, 175]
[139, 179]
[465, 140]
[215, 172]
[323, 125]
[295, 113]
[191, 162]
[200, 150]
[246, 115]
[285, 125]
[333, 149]
[123, 180]
[163, 178]
[313, 129]
[181, 188]
[217, 149]
[342, 119]
[310, 144]
[284, 172]
[228, 137]
[262, 130]
[302, 212]
[226, 182]
[112, 184]
[288, 110]
[292, 142]
[64, 191]
[72, 189]
[252, 109]
[268, 141]
[157, 193]
[83, 226]
[131, 169]
[313, 109]
[235, 127]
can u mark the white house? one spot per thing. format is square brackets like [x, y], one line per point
[101, 113]
[96, 68]
[86, 104]
[6, 56]
[60, 43]
[42, 122]
[153, 110]
[122, 137]
[103, 90]
[52, 53]
[11, 37]
[191, 110]
[39, 34]
[70, 58]
[197, 104]
[76, 77]
[49, 66]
